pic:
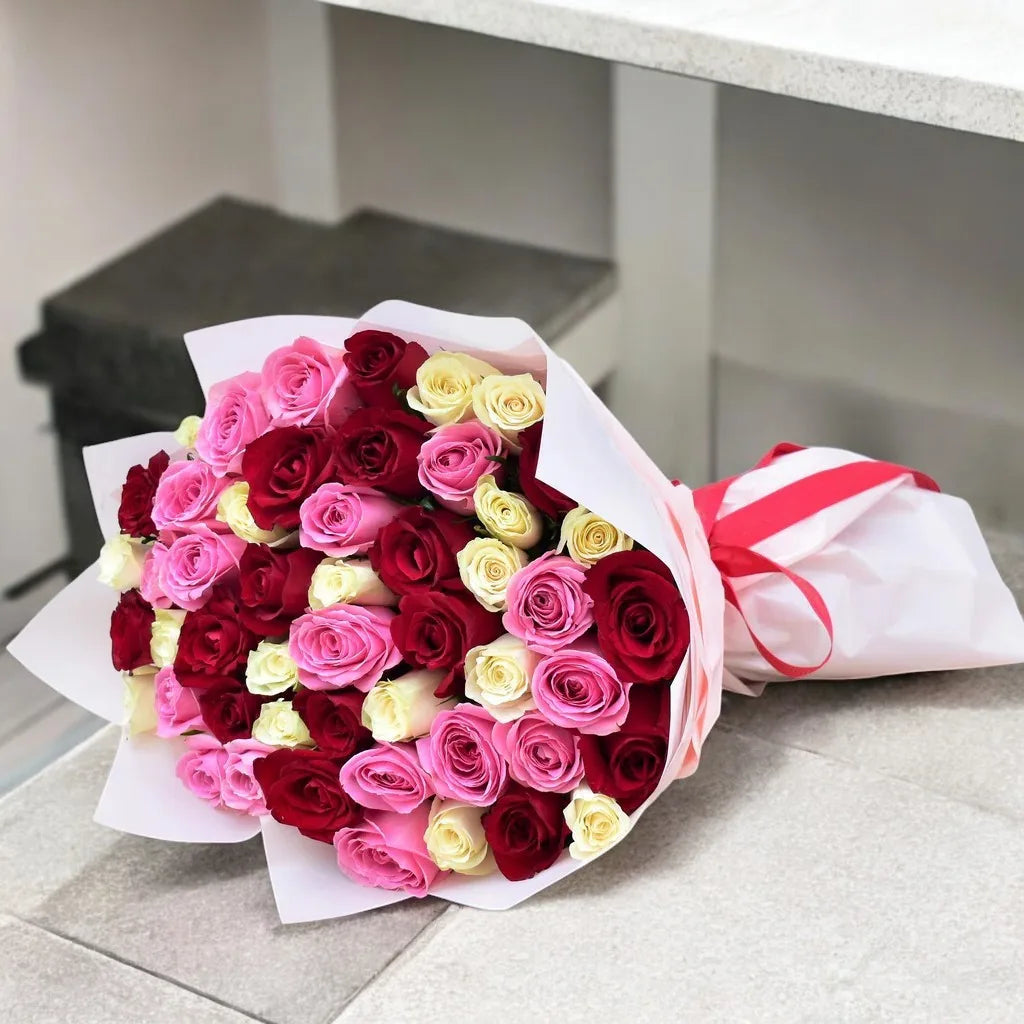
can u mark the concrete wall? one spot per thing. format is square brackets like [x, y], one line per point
[116, 116]
[870, 292]
[482, 134]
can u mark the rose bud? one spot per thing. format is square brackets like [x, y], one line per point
[547, 605]
[274, 587]
[526, 831]
[509, 404]
[577, 689]
[380, 363]
[597, 823]
[334, 721]
[417, 550]
[228, 709]
[461, 757]
[121, 562]
[378, 448]
[342, 520]
[444, 386]
[233, 511]
[402, 709]
[347, 581]
[135, 514]
[540, 755]
[498, 677]
[306, 383]
[587, 538]
[454, 458]
[506, 515]
[455, 838]
[131, 625]
[387, 777]
[280, 725]
[235, 416]
[486, 567]
[186, 496]
[201, 768]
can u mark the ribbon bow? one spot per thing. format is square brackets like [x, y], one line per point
[733, 536]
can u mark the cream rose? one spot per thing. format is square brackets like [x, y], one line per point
[139, 701]
[597, 823]
[509, 404]
[233, 509]
[506, 515]
[188, 431]
[498, 677]
[121, 561]
[163, 635]
[443, 391]
[401, 709]
[270, 670]
[455, 838]
[587, 538]
[486, 565]
[279, 725]
[347, 581]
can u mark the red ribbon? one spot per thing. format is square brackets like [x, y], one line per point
[732, 537]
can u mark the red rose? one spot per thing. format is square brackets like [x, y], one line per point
[526, 830]
[283, 468]
[274, 587]
[435, 630]
[547, 499]
[229, 709]
[628, 764]
[642, 625]
[417, 550]
[211, 644]
[303, 788]
[378, 448]
[135, 516]
[130, 630]
[334, 720]
[378, 363]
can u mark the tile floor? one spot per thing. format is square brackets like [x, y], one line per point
[846, 852]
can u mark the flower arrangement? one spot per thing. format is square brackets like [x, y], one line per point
[420, 611]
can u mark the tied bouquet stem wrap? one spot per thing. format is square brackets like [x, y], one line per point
[363, 614]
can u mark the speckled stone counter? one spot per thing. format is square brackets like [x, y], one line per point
[846, 852]
[954, 63]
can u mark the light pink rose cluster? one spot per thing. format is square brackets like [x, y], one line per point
[306, 383]
[453, 459]
[340, 520]
[235, 415]
[387, 777]
[462, 758]
[184, 572]
[547, 606]
[223, 775]
[343, 645]
[187, 496]
[387, 850]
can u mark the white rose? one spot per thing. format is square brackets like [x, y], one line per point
[498, 677]
[587, 537]
[401, 709]
[233, 509]
[486, 565]
[121, 561]
[163, 635]
[443, 391]
[187, 431]
[351, 581]
[139, 700]
[455, 838]
[506, 515]
[509, 404]
[270, 670]
[597, 823]
[279, 725]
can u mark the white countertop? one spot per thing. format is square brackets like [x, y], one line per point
[956, 63]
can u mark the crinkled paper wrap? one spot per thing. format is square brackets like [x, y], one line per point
[585, 453]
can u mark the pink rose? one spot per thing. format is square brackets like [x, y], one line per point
[454, 457]
[177, 709]
[186, 496]
[547, 608]
[342, 520]
[240, 790]
[235, 415]
[195, 562]
[461, 756]
[540, 755]
[576, 688]
[201, 768]
[387, 777]
[343, 645]
[306, 383]
[149, 586]
[387, 851]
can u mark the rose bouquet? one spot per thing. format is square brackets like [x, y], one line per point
[410, 602]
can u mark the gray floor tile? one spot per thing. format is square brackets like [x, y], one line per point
[48, 980]
[774, 885]
[961, 733]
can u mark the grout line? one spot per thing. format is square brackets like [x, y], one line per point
[997, 812]
[411, 949]
[113, 958]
